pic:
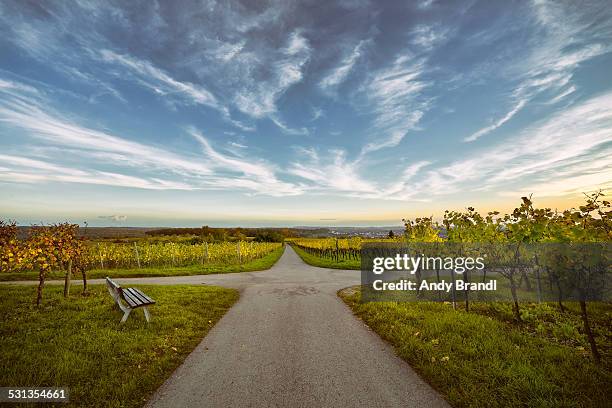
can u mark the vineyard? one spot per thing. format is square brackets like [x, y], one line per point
[110, 255]
[23, 256]
[59, 248]
[331, 248]
[580, 264]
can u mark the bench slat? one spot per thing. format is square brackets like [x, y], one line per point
[135, 293]
[130, 299]
[140, 292]
[145, 297]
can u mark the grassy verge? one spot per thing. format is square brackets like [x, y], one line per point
[78, 342]
[259, 264]
[326, 262]
[483, 359]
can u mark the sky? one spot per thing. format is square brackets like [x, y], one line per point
[261, 113]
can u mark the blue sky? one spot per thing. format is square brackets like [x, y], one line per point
[286, 113]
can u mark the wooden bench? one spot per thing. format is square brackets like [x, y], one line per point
[133, 298]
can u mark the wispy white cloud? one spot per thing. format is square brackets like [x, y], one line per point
[45, 40]
[116, 217]
[428, 36]
[226, 52]
[11, 87]
[286, 129]
[568, 34]
[257, 172]
[159, 81]
[333, 174]
[338, 74]
[400, 189]
[28, 163]
[258, 98]
[578, 177]
[563, 36]
[316, 114]
[558, 98]
[395, 95]
[488, 129]
[213, 171]
[238, 145]
[539, 155]
[425, 4]
[27, 170]
[394, 98]
[54, 130]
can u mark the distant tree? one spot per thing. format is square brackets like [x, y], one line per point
[391, 234]
[219, 234]
[269, 236]
[239, 236]
[195, 240]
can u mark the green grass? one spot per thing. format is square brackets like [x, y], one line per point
[327, 262]
[259, 264]
[78, 342]
[483, 359]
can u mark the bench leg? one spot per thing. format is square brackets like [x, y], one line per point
[126, 313]
[146, 313]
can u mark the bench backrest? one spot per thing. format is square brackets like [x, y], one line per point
[112, 284]
[114, 289]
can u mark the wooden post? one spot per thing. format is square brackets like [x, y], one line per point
[538, 278]
[68, 279]
[337, 254]
[100, 253]
[137, 256]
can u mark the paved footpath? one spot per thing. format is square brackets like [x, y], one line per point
[290, 341]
